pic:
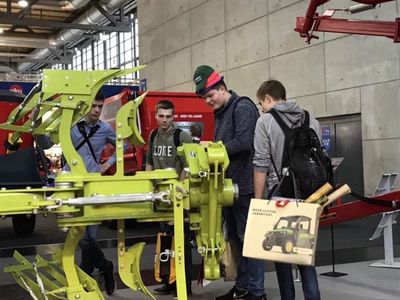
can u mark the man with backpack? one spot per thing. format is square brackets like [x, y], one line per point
[235, 119]
[287, 155]
[162, 153]
[164, 141]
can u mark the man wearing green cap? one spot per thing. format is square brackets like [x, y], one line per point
[235, 120]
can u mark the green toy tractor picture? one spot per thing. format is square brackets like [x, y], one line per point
[290, 232]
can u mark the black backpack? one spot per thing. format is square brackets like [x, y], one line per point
[303, 156]
[177, 134]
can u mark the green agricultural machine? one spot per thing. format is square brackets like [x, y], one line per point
[79, 198]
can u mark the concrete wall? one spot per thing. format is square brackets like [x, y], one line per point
[251, 41]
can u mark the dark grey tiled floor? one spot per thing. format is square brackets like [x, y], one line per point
[351, 243]
[361, 283]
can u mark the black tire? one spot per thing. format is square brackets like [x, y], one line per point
[287, 246]
[266, 246]
[24, 225]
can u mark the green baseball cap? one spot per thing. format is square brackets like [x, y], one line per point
[205, 78]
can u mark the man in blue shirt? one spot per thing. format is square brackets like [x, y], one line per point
[89, 137]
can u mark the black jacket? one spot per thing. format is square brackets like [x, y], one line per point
[234, 125]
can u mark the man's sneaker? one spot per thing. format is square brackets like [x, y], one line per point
[109, 281]
[234, 293]
[165, 289]
[251, 296]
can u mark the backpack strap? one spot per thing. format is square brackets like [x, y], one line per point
[177, 135]
[86, 137]
[177, 138]
[306, 123]
[285, 128]
[153, 134]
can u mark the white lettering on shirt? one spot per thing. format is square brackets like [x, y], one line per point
[162, 151]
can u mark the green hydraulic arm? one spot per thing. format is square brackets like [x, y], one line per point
[79, 198]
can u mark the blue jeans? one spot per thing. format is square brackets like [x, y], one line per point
[250, 271]
[309, 281]
[92, 256]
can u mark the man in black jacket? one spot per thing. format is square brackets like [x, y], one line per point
[235, 120]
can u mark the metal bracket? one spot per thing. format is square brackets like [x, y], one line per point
[385, 225]
[386, 184]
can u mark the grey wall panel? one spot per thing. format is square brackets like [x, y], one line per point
[302, 72]
[380, 107]
[185, 87]
[152, 74]
[149, 15]
[176, 35]
[173, 8]
[274, 5]
[246, 79]
[239, 12]
[343, 102]
[210, 51]
[178, 67]
[207, 20]
[154, 42]
[243, 46]
[315, 104]
[356, 63]
[194, 3]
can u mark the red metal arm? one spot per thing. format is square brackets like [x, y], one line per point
[358, 209]
[313, 22]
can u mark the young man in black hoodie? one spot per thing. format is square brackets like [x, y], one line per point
[235, 120]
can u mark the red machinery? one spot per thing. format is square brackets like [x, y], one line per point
[189, 109]
[358, 209]
[22, 224]
[312, 21]
[8, 101]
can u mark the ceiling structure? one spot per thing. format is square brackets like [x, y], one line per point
[45, 32]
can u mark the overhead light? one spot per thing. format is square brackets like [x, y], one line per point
[23, 3]
[1, 30]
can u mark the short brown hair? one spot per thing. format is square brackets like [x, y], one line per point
[99, 96]
[273, 88]
[165, 104]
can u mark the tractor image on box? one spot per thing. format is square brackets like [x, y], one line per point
[289, 233]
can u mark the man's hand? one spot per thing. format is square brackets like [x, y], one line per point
[104, 167]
